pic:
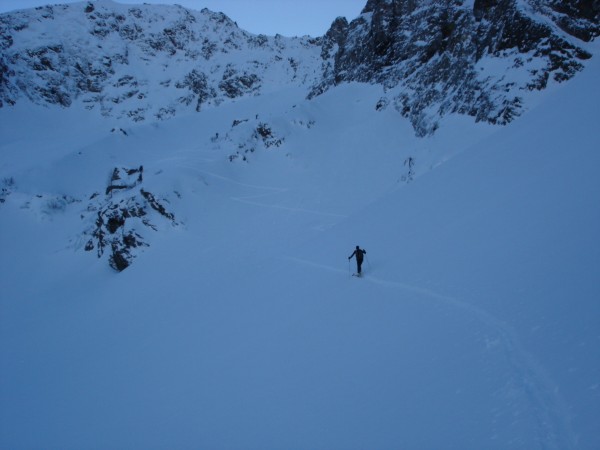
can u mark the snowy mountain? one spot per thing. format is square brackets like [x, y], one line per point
[184, 283]
[470, 57]
[141, 62]
[433, 57]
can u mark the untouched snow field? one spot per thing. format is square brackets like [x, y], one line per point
[476, 325]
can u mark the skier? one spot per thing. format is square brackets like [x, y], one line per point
[358, 254]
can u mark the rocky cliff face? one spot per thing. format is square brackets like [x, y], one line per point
[469, 57]
[434, 57]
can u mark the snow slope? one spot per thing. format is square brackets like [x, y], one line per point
[476, 324]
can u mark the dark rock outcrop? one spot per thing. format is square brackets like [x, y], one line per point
[121, 217]
[431, 55]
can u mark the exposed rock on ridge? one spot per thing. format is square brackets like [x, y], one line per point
[433, 57]
[141, 62]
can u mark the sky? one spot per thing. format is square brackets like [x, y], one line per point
[286, 17]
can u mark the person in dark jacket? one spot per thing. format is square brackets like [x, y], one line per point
[359, 255]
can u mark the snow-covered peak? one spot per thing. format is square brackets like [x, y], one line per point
[141, 62]
[152, 62]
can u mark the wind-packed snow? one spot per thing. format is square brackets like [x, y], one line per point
[476, 324]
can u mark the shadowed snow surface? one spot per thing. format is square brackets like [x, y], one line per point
[476, 324]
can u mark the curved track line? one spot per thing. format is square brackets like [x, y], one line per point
[552, 415]
[246, 200]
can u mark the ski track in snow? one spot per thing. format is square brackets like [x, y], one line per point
[239, 183]
[551, 413]
[249, 199]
